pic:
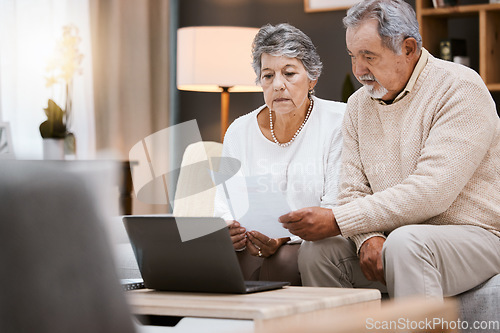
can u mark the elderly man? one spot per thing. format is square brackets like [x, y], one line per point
[419, 203]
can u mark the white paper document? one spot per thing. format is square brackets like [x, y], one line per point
[257, 204]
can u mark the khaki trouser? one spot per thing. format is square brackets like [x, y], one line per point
[435, 261]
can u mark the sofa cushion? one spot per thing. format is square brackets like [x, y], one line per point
[481, 304]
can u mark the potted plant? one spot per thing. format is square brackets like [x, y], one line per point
[58, 140]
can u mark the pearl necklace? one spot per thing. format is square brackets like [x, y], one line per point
[286, 144]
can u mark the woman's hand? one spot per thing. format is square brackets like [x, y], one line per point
[238, 235]
[262, 246]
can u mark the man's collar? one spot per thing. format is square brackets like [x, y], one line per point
[422, 61]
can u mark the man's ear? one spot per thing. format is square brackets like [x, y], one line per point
[409, 47]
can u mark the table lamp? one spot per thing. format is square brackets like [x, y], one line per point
[216, 59]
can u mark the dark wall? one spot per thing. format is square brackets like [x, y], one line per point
[324, 28]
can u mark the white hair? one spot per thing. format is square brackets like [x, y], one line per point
[286, 40]
[396, 21]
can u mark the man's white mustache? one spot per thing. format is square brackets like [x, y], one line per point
[367, 77]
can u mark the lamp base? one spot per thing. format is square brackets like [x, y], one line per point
[224, 112]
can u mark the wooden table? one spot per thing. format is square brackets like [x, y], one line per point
[277, 309]
[415, 314]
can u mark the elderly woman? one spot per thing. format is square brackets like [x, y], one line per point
[294, 137]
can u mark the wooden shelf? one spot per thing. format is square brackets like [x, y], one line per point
[494, 86]
[434, 28]
[459, 10]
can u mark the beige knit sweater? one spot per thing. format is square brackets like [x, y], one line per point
[431, 158]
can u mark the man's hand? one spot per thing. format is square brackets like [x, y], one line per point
[311, 223]
[258, 243]
[238, 236]
[370, 259]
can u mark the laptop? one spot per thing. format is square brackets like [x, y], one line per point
[193, 254]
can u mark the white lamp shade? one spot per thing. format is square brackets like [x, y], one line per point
[209, 58]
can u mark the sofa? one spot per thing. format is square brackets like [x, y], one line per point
[58, 272]
[482, 305]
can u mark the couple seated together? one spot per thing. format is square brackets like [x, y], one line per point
[398, 189]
